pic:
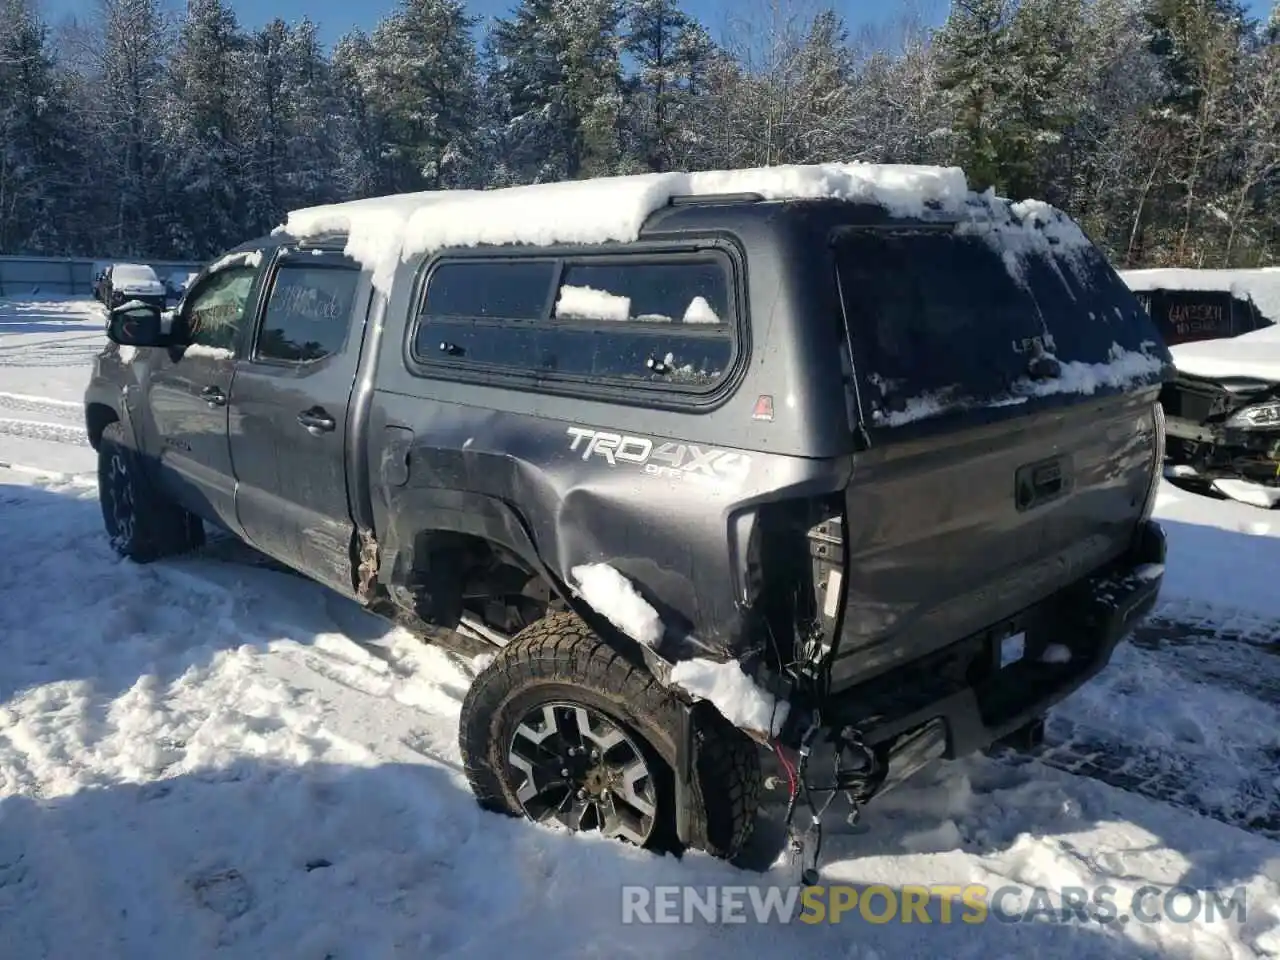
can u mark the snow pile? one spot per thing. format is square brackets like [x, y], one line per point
[1246, 491]
[614, 597]
[1261, 285]
[374, 227]
[587, 303]
[1255, 354]
[383, 231]
[733, 693]
[699, 311]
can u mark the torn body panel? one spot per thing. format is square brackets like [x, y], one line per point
[658, 510]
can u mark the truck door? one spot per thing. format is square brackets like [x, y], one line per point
[187, 392]
[289, 412]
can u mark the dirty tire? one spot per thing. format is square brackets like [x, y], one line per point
[142, 524]
[559, 658]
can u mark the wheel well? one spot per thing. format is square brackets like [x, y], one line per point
[456, 574]
[98, 416]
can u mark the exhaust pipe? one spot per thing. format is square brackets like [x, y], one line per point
[912, 752]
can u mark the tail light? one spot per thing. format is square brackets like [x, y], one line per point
[1157, 460]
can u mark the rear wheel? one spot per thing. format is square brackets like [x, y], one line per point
[560, 728]
[142, 524]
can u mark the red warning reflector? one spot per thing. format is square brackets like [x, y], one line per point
[764, 408]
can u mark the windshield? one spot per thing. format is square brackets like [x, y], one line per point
[133, 273]
[941, 318]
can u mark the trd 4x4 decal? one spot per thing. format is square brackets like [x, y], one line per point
[673, 461]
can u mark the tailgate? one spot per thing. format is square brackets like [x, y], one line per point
[1011, 442]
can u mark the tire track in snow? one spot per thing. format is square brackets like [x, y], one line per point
[42, 430]
[1239, 660]
[70, 411]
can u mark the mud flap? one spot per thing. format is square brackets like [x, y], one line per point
[683, 771]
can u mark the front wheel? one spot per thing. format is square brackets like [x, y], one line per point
[560, 728]
[142, 524]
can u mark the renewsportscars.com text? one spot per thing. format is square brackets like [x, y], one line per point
[933, 903]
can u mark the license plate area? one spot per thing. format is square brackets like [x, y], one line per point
[1011, 649]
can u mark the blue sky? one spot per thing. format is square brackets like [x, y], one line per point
[335, 17]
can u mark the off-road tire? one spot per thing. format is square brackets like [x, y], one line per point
[158, 528]
[560, 658]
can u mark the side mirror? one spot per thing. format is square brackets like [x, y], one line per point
[136, 324]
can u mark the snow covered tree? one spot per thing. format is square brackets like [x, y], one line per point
[39, 168]
[671, 53]
[424, 90]
[126, 105]
[359, 125]
[288, 105]
[204, 127]
[557, 78]
[1199, 46]
[1005, 67]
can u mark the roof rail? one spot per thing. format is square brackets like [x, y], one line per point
[689, 199]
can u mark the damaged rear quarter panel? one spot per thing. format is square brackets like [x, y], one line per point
[530, 470]
[663, 512]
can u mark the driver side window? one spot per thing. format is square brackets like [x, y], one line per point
[214, 313]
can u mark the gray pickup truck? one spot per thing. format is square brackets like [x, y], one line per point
[806, 481]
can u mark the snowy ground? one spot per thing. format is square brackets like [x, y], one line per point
[207, 758]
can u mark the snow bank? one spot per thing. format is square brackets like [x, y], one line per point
[385, 230]
[733, 693]
[612, 596]
[1261, 285]
[1255, 354]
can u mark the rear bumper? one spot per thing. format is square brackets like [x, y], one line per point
[963, 690]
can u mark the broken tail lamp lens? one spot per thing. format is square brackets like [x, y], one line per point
[1260, 416]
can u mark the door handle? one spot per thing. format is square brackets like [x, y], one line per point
[213, 396]
[317, 421]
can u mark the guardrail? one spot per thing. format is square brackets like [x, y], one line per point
[21, 276]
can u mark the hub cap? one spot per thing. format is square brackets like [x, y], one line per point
[572, 765]
[120, 495]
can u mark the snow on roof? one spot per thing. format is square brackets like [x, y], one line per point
[245, 258]
[1261, 285]
[385, 230]
[1255, 354]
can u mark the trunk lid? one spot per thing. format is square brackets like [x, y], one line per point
[1008, 390]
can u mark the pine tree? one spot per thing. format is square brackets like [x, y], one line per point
[204, 127]
[359, 125]
[37, 158]
[670, 53]
[557, 77]
[425, 90]
[1004, 67]
[134, 216]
